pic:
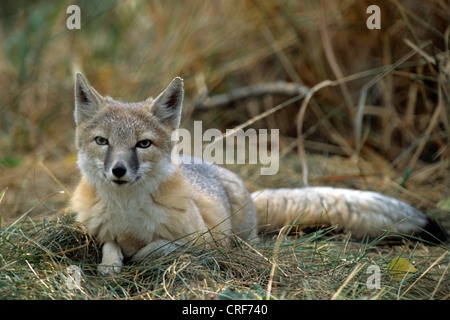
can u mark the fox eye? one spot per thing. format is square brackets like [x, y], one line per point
[101, 141]
[144, 143]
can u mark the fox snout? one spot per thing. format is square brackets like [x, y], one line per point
[121, 168]
[120, 173]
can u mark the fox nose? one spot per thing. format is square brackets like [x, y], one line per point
[119, 170]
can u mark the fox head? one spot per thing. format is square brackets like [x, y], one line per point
[123, 144]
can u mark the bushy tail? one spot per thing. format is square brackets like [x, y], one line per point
[362, 213]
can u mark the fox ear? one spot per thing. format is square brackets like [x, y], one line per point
[87, 99]
[167, 106]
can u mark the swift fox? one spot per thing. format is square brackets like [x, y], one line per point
[138, 202]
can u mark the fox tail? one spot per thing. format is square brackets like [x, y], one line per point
[363, 213]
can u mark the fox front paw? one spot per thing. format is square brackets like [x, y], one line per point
[110, 269]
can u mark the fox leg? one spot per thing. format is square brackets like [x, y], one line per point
[243, 214]
[157, 248]
[111, 259]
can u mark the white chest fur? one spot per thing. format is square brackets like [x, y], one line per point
[128, 216]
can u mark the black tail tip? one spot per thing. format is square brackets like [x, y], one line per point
[434, 232]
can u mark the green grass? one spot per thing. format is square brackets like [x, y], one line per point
[34, 262]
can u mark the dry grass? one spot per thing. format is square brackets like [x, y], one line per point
[36, 257]
[379, 119]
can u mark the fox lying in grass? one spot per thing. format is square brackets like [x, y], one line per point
[138, 202]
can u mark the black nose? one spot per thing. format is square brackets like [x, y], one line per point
[119, 170]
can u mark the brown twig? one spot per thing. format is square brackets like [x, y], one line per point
[255, 91]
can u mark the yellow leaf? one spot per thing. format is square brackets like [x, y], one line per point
[400, 268]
